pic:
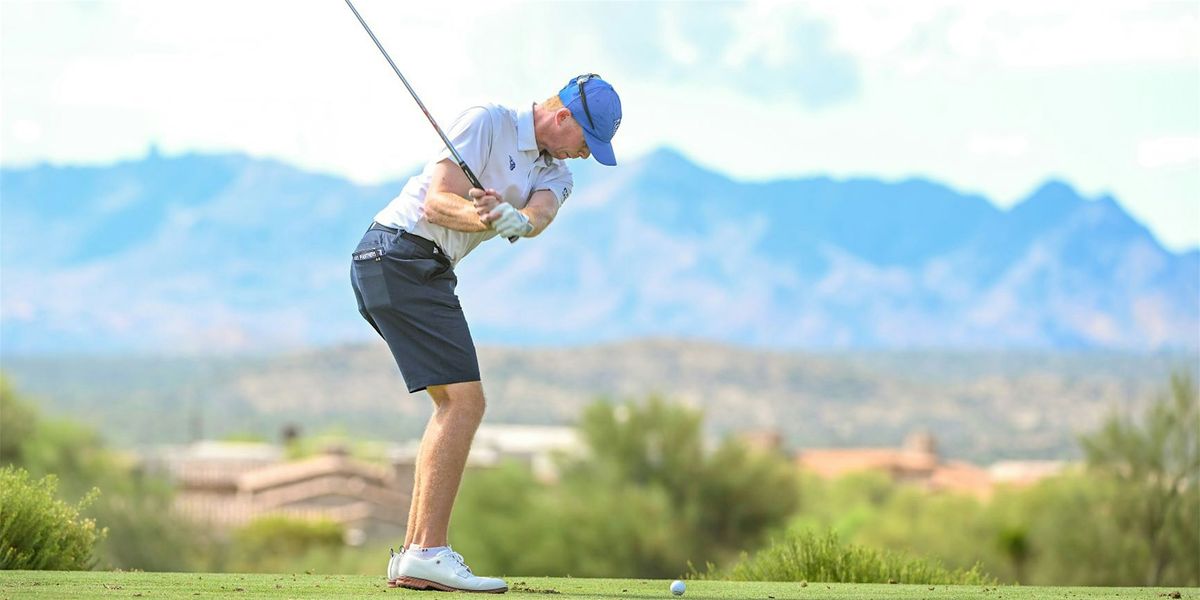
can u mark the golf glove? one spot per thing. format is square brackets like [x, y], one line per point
[509, 222]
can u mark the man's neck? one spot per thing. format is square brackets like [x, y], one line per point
[541, 118]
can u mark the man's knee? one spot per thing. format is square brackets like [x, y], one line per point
[459, 396]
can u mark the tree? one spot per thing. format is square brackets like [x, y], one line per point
[1156, 464]
[18, 420]
[730, 498]
[1014, 545]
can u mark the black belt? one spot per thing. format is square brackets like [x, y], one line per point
[428, 245]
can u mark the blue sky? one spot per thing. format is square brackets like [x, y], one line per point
[987, 97]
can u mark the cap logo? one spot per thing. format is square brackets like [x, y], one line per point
[616, 124]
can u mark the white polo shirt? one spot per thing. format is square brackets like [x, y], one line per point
[498, 144]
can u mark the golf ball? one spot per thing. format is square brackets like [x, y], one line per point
[677, 587]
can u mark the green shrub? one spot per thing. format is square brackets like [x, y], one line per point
[275, 544]
[39, 531]
[808, 557]
[645, 498]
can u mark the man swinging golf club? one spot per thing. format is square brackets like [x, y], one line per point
[403, 278]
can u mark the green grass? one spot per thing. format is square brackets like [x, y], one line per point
[99, 584]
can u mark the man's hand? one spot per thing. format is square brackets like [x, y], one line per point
[485, 202]
[508, 221]
[447, 203]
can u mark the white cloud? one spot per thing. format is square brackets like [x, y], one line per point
[1006, 145]
[1126, 36]
[19, 309]
[27, 131]
[763, 31]
[946, 36]
[676, 42]
[1169, 151]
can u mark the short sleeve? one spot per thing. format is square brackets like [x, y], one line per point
[471, 134]
[558, 180]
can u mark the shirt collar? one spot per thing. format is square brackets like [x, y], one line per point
[526, 142]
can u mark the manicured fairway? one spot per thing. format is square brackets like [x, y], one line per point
[54, 584]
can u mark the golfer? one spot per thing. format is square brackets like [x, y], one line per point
[403, 278]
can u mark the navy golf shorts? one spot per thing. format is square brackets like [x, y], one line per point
[404, 285]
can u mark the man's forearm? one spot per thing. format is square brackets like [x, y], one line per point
[541, 210]
[538, 219]
[452, 212]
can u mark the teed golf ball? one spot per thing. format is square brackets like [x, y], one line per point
[677, 587]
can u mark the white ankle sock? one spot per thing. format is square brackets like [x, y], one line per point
[426, 553]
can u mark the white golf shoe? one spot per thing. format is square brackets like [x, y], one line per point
[446, 572]
[393, 575]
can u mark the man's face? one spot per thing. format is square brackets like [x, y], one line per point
[568, 140]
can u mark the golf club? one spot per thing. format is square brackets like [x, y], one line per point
[462, 164]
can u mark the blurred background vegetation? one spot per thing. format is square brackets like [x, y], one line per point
[651, 498]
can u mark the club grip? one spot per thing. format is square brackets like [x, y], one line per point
[462, 164]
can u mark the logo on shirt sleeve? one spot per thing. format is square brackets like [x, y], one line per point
[566, 193]
[511, 165]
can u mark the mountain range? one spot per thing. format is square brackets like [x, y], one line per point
[206, 253]
[979, 405]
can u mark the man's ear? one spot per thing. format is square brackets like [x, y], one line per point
[561, 115]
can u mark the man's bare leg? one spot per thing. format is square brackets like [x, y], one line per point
[458, 410]
[411, 526]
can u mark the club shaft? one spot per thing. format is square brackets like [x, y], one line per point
[461, 163]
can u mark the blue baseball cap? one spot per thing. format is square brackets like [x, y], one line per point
[597, 108]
